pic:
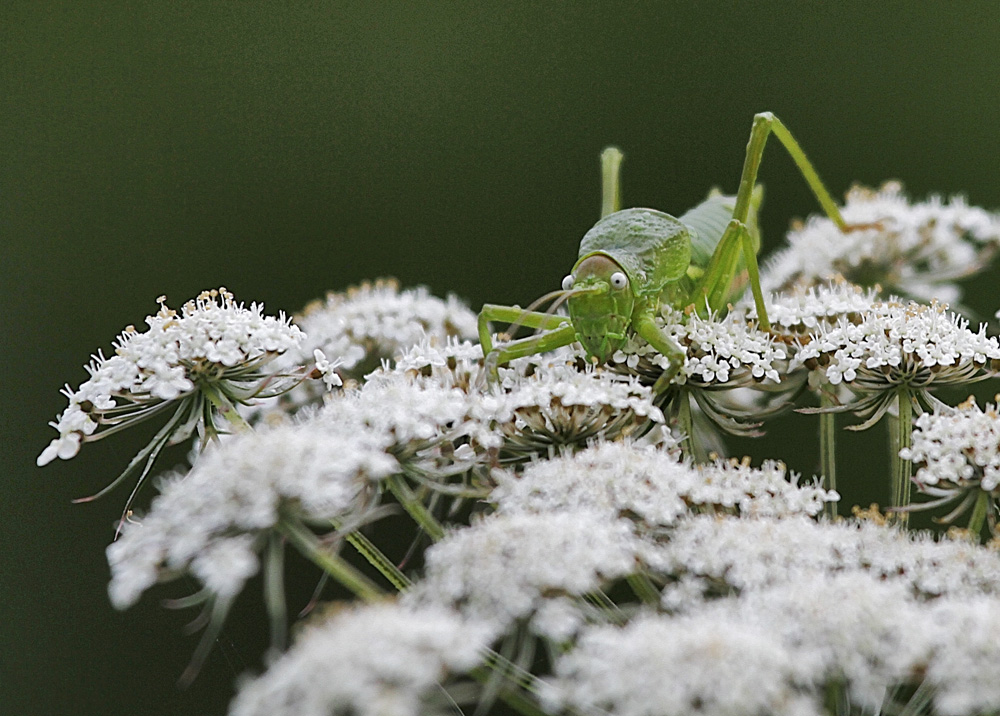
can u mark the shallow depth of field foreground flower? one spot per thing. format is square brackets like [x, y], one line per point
[567, 538]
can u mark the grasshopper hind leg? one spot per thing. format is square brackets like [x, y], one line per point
[764, 124]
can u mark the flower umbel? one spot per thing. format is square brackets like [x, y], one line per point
[899, 345]
[199, 364]
[957, 454]
[917, 249]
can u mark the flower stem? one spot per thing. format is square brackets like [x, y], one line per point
[224, 406]
[827, 451]
[685, 424]
[644, 588]
[274, 592]
[979, 514]
[901, 469]
[415, 507]
[333, 564]
[367, 549]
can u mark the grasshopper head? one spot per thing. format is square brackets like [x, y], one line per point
[600, 305]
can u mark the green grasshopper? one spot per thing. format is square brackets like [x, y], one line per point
[634, 261]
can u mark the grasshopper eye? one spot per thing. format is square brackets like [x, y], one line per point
[567, 283]
[618, 280]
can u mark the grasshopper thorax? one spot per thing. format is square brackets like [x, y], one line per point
[600, 304]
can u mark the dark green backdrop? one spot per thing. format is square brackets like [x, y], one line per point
[283, 149]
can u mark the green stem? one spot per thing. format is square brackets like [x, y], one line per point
[644, 588]
[685, 424]
[827, 451]
[602, 601]
[902, 469]
[224, 406]
[333, 564]
[836, 700]
[415, 507]
[274, 591]
[979, 514]
[526, 684]
[367, 549]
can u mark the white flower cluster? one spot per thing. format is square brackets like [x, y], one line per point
[237, 491]
[727, 350]
[455, 362]
[327, 467]
[506, 566]
[363, 328]
[211, 335]
[765, 653]
[558, 381]
[909, 339]
[658, 586]
[917, 249]
[376, 321]
[667, 667]
[957, 446]
[706, 553]
[652, 486]
[380, 660]
[805, 308]
[540, 401]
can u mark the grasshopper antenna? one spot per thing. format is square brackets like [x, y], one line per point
[558, 298]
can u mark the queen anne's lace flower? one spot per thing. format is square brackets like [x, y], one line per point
[963, 670]
[917, 343]
[727, 351]
[540, 403]
[372, 322]
[802, 309]
[716, 665]
[750, 554]
[506, 566]
[328, 467]
[367, 326]
[957, 454]
[239, 490]
[653, 487]
[957, 446]
[544, 403]
[917, 249]
[564, 532]
[380, 660]
[213, 344]
[784, 647]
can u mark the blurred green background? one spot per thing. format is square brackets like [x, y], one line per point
[284, 149]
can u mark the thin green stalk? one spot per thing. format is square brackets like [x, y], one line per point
[979, 513]
[837, 703]
[600, 600]
[644, 588]
[415, 507]
[224, 406]
[525, 682]
[333, 564]
[919, 701]
[902, 469]
[376, 558]
[827, 451]
[274, 592]
[685, 424]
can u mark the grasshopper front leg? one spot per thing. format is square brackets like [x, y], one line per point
[557, 331]
[654, 335]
